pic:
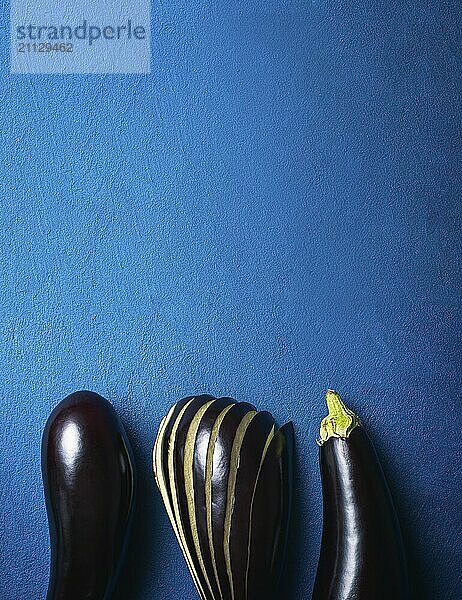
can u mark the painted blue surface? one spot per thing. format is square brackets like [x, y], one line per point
[273, 211]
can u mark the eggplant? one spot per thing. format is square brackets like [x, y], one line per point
[362, 555]
[89, 482]
[224, 471]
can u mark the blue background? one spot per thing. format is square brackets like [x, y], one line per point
[273, 211]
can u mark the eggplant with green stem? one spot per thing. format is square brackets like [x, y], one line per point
[362, 555]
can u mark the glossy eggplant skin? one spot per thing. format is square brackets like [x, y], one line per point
[89, 480]
[362, 555]
[225, 474]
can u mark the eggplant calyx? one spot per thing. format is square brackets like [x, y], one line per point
[340, 421]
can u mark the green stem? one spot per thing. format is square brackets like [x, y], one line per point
[340, 421]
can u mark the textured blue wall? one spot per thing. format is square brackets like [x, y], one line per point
[274, 211]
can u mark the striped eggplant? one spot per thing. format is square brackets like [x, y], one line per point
[224, 471]
[362, 555]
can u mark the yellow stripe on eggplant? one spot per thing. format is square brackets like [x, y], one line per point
[189, 483]
[208, 487]
[237, 444]
[171, 470]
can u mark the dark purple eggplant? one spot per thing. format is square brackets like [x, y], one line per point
[224, 471]
[88, 476]
[362, 555]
